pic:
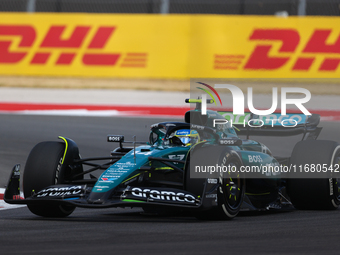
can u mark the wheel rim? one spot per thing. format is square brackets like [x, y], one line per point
[232, 189]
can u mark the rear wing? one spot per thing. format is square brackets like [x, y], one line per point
[275, 124]
[248, 124]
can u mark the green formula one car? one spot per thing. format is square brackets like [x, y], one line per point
[178, 169]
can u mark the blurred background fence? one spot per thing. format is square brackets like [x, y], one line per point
[237, 7]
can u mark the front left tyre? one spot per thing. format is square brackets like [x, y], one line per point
[43, 169]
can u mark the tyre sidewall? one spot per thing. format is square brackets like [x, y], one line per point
[228, 157]
[314, 193]
[44, 168]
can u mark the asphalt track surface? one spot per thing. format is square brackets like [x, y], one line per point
[128, 231]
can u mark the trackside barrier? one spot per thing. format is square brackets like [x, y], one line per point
[169, 46]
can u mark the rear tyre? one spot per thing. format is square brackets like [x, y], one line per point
[231, 187]
[44, 168]
[320, 194]
[231, 192]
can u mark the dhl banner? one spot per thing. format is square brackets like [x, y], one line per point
[169, 46]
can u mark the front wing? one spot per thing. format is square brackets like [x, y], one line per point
[128, 196]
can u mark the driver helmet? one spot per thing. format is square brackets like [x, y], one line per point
[187, 136]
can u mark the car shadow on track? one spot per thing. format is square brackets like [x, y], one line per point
[141, 216]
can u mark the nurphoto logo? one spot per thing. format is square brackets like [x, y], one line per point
[263, 116]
